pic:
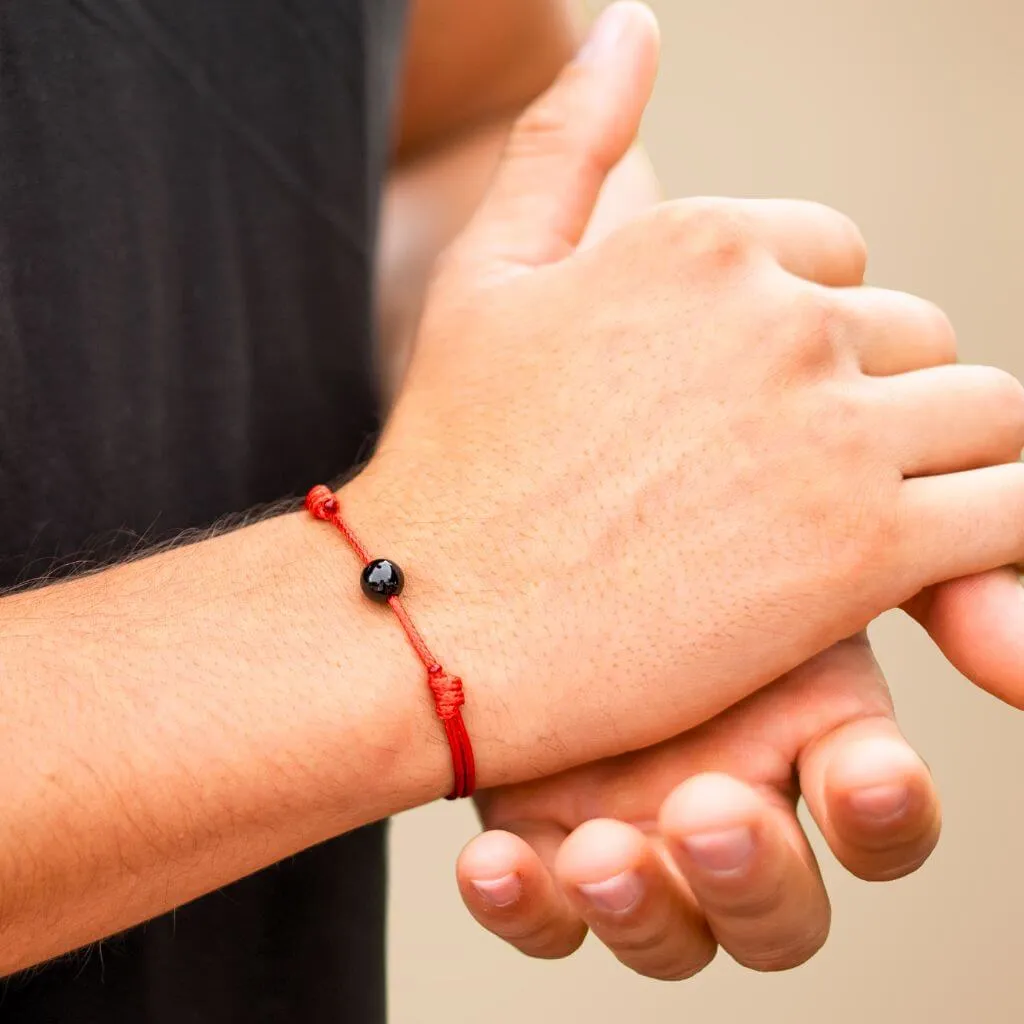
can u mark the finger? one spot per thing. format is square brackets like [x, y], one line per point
[872, 797]
[750, 869]
[978, 624]
[626, 894]
[961, 523]
[951, 418]
[808, 239]
[506, 886]
[563, 146]
[896, 332]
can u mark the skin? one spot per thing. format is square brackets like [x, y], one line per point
[640, 848]
[175, 723]
[506, 879]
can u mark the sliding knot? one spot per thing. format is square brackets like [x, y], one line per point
[447, 691]
[321, 502]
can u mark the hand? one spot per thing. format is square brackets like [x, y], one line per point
[605, 846]
[633, 505]
[979, 623]
[826, 730]
[566, 852]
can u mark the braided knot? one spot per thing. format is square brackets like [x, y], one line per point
[321, 502]
[447, 691]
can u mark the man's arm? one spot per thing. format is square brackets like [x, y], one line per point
[470, 69]
[175, 723]
[172, 724]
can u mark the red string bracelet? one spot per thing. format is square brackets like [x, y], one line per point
[382, 581]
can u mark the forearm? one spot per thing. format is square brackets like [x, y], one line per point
[178, 722]
[173, 724]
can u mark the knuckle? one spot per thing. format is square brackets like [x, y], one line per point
[816, 329]
[860, 529]
[713, 230]
[871, 535]
[853, 413]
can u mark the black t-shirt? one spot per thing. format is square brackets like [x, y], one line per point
[188, 199]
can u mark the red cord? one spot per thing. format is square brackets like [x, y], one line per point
[446, 689]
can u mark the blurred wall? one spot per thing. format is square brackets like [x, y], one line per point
[909, 115]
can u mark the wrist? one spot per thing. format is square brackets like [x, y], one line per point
[362, 670]
[462, 592]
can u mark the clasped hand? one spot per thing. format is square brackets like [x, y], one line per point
[687, 465]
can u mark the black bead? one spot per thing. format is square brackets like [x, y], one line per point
[382, 579]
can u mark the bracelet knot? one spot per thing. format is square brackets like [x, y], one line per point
[447, 692]
[321, 502]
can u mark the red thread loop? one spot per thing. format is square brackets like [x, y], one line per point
[446, 689]
[321, 502]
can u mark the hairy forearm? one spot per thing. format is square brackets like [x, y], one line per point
[180, 721]
[175, 723]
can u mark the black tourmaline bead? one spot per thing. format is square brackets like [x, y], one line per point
[382, 579]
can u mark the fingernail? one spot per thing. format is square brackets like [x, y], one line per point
[499, 892]
[614, 895]
[879, 803]
[720, 853]
[605, 34]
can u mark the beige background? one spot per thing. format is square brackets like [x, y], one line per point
[908, 114]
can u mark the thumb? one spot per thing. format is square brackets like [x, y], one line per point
[563, 146]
